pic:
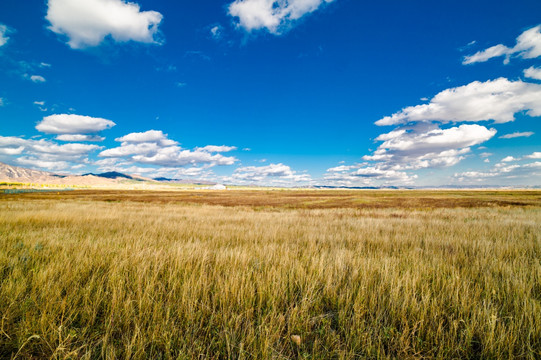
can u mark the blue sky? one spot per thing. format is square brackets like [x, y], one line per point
[296, 92]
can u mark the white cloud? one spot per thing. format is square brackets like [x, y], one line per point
[438, 139]
[509, 159]
[3, 35]
[150, 136]
[45, 154]
[342, 168]
[517, 134]
[216, 32]
[429, 146]
[273, 174]
[46, 147]
[127, 149]
[491, 52]
[154, 148]
[422, 141]
[79, 137]
[272, 15]
[215, 148]
[363, 175]
[505, 174]
[1, 101]
[533, 73]
[87, 23]
[73, 124]
[37, 78]
[40, 105]
[535, 155]
[528, 46]
[11, 150]
[174, 156]
[123, 166]
[43, 164]
[496, 100]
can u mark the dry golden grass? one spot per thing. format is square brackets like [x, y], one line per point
[317, 275]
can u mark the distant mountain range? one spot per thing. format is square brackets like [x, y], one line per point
[16, 174]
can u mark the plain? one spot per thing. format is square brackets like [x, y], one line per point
[270, 274]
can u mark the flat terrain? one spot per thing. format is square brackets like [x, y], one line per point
[235, 274]
[308, 199]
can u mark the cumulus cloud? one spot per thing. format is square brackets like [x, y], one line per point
[424, 140]
[438, 139]
[3, 35]
[150, 136]
[218, 149]
[535, 155]
[154, 148]
[79, 137]
[506, 174]
[126, 167]
[272, 15]
[73, 124]
[528, 46]
[428, 146]
[509, 159]
[517, 134]
[533, 73]
[42, 164]
[174, 156]
[87, 23]
[366, 175]
[44, 153]
[127, 149]
[11, 150]
[342, 168]
[273, 174]
[496, 100]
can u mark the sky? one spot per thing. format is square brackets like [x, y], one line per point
[275, 92]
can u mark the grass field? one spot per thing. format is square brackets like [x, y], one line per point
[271, 275]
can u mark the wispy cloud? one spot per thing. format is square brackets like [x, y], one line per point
[504, 173]
[517, 134]
[528, 46]
[216, 32]
[3, 35]
[272, 15]
[80, 138]
[216, 148]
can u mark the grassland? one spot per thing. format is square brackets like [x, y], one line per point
[236, 274]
